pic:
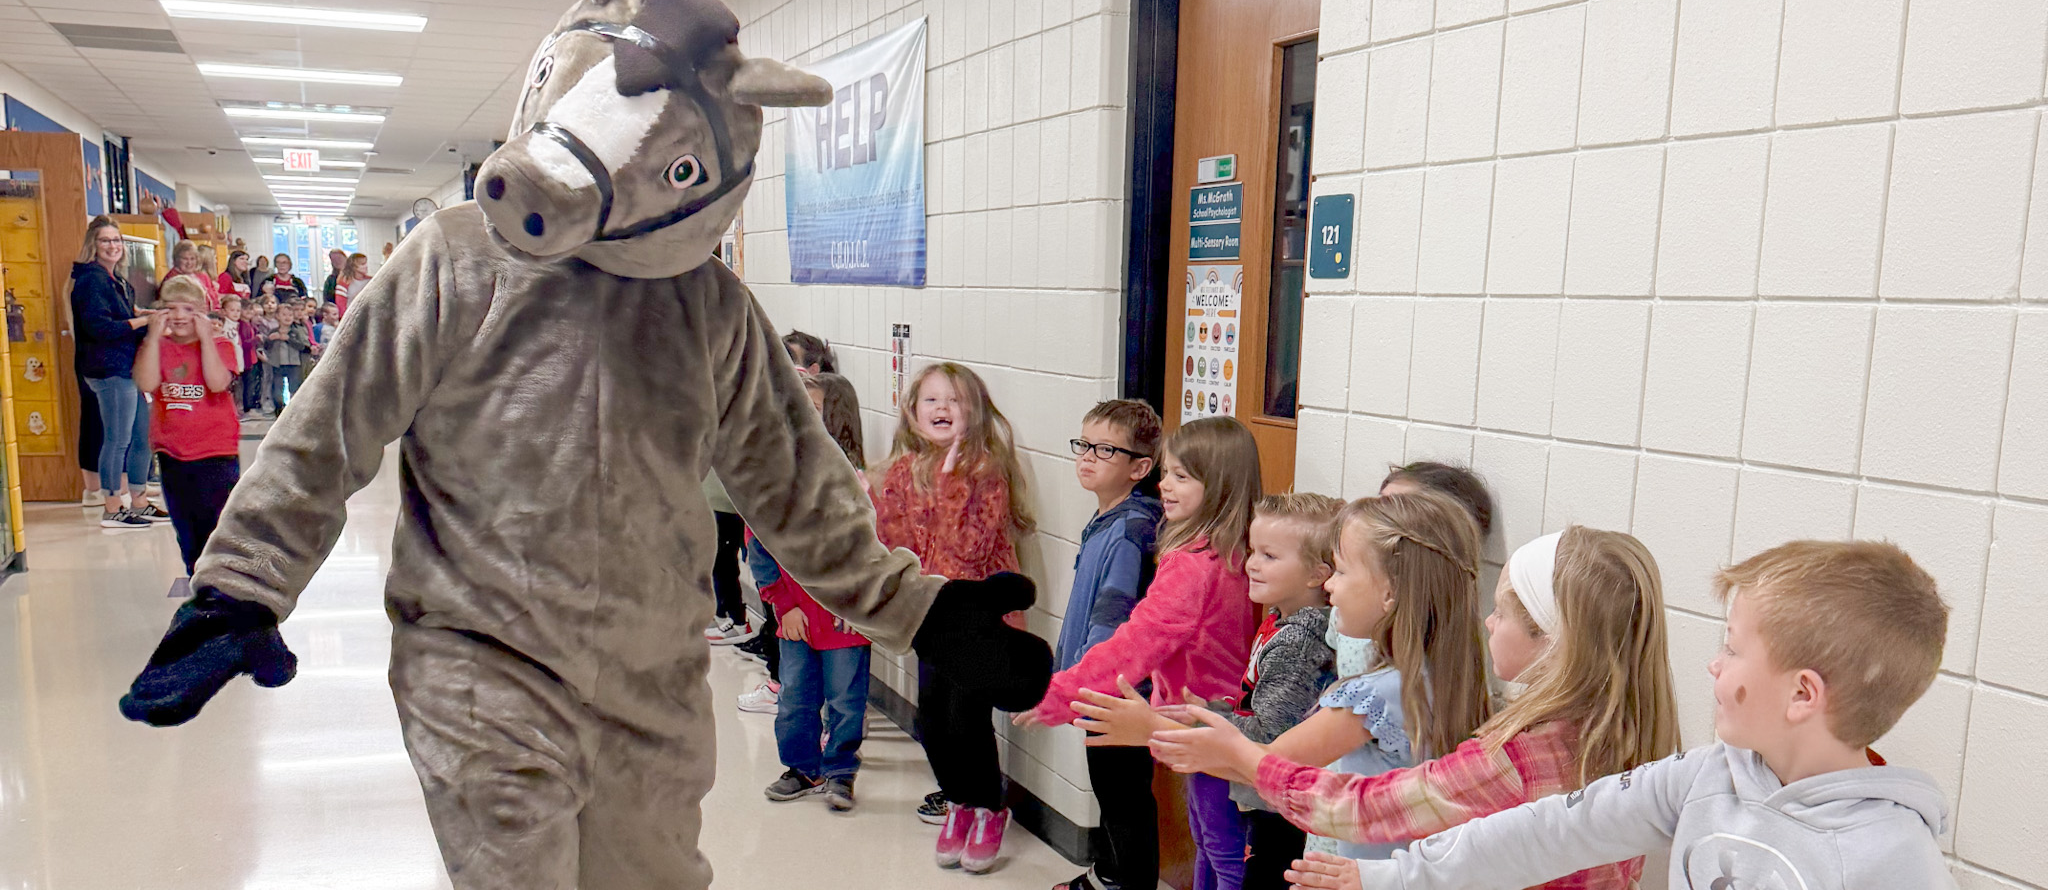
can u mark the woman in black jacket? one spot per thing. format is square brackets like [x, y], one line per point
[109, 330]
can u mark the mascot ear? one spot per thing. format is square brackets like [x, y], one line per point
[773, 84]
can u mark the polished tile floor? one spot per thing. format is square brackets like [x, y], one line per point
[307, 786]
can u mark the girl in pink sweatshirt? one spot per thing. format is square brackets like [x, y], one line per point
[1192, 632]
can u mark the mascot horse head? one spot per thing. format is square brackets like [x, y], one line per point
[635, 138]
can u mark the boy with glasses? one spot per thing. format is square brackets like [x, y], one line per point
[1117, 451]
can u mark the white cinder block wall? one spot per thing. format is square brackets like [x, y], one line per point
[1722, 274]
[1024, 180]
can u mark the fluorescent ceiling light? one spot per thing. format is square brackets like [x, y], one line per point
[279, 162]
[294, 15]
[303, 75]
[295, 180]
[292, 142]
[313, 199]
[305, 114]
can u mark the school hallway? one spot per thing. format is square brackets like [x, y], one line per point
[308, 786]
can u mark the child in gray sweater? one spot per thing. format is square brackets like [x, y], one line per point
[1828, 644]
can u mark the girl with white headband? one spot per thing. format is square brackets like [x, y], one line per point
[1579, 620]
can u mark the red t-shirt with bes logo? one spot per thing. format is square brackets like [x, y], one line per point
[188, 421]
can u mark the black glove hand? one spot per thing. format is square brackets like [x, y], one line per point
[212, 639]
[964, 638]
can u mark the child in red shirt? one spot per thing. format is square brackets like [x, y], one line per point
[194, 426]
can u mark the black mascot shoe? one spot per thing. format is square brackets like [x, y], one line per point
[213, 638]
[964, 638]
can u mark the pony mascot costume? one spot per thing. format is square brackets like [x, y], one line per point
[562, 364]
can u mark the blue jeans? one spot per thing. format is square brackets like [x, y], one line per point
[824, 695]
[126, 443]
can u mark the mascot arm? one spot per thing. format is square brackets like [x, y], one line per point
[286, 513]
[798, 492]
[288, 509]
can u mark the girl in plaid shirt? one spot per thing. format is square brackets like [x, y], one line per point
[1579, 619]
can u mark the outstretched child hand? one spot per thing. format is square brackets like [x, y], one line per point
[1127, 720]
[1214, 746]
[1325, 871]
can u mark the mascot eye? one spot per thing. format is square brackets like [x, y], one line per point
[685, 172]
[542, 69]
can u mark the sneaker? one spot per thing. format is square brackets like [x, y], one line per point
[985, 842]
[953, 837]
[725, 632]
[754, 650]
[122, 519]
[760, 701]
[839, 795]
[933, 810]
[791, 786]
[151, 513]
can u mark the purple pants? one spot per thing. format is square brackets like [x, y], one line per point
[1218, 832]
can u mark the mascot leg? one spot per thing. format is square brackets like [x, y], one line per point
[529, 788]
[499, 748]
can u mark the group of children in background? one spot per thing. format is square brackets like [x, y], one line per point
[1320, 670]
[277, 327]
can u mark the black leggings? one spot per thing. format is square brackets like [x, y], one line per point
[1272, 844]
[195, 491]
[1122, 779]
[725, 567]
[959, 739]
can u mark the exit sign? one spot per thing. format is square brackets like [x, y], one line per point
[301, 160]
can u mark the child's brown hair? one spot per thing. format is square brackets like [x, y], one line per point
[1428, 547]
[1861, 614]
[1135, 418]
[841, 413]
[1458, 482]
[986, 439]
[1222, 455]
[1314, 514]
[1609, 670]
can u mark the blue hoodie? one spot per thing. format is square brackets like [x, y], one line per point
[1110, 575]
[101, 304]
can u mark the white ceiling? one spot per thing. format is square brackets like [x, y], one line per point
[462, 76]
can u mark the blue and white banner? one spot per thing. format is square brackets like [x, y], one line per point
[854, 173]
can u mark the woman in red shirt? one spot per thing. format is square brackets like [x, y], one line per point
[234, 280]
[195, 429]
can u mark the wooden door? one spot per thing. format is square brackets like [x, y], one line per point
[1246, 87]
[45, 390]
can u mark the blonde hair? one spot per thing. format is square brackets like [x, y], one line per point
[1607, 671]
[183, 248]
[1222, 455]
[182, 289]
[986, 440]
[1314, 514]
[1427, 546]
[1861, 614]
[207, 258]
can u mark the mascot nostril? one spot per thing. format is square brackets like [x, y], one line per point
[552, 357]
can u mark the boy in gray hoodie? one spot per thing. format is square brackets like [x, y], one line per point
[1828, 644]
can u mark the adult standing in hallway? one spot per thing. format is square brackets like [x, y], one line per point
[110, 329]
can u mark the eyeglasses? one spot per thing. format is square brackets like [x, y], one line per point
[1103, 450]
